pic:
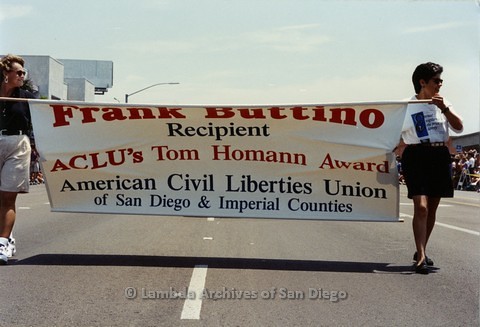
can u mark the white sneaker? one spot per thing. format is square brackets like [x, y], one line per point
[3, 255]
[11, 248]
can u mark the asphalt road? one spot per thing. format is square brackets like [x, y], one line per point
[105, 270]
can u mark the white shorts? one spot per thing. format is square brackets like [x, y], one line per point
[15, 163]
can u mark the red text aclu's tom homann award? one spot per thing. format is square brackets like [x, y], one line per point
[331, 161]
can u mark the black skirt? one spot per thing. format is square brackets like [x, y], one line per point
[427, 171]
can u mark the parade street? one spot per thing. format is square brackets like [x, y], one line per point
[74, 269]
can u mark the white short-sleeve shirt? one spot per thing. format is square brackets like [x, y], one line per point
[424, 123]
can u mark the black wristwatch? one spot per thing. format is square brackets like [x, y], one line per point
[447, 109]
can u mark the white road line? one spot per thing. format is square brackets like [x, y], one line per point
[440, 205]
[192, 307]
[460, 229]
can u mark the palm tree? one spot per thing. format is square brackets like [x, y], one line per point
[29, 86]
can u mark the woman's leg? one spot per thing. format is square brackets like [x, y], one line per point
[7, 212]
[419, 224]
[432, 206]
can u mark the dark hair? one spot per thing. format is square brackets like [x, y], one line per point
[425, 71]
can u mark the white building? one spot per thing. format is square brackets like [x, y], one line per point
[67, 79]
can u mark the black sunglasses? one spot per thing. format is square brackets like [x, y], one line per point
[21, 73]
[437, 80]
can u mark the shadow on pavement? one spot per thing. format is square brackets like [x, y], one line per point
[211, 262]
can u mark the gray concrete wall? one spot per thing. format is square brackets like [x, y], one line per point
[80, 89]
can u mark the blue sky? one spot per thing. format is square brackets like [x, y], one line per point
[259, 51]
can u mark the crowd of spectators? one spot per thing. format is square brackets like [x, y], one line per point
[36, 175]
[465, 170]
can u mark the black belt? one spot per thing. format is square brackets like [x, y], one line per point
[12, 132]
[429, 144]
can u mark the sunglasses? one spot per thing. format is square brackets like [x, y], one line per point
[437, 80]
[21, 73]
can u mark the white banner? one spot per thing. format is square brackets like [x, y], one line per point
[331, 162]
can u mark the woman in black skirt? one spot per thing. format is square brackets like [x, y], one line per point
[426, 162]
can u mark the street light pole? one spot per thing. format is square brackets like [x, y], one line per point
[145, 88]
